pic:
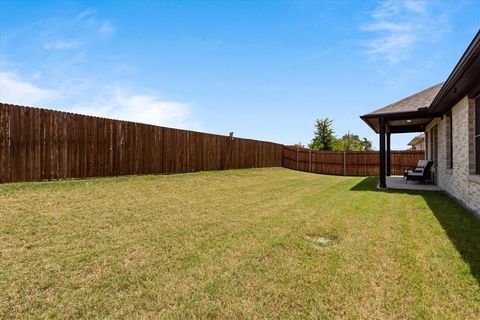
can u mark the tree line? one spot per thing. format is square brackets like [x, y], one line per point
[325, 139]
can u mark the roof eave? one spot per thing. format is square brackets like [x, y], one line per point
[365, 118]
[423, 114]
[469, 58]
[402, 115]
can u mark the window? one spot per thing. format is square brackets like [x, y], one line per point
[477, 135]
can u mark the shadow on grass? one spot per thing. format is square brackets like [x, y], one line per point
[461, 226]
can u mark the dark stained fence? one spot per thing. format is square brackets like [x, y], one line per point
[38, 144]
[350, 163]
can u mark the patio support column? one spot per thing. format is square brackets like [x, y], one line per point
[383, 179]
[389, 171]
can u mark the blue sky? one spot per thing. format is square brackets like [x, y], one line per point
[262, 69]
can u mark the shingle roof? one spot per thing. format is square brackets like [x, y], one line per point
[417, 139]
[421, 99]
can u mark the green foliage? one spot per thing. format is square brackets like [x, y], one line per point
[325, 139]
[366, 144]
[352, 142]
[299, 144]
[323, 135]
[337, 144]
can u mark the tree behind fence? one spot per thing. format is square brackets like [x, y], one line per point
[350, 163]
[38, 144]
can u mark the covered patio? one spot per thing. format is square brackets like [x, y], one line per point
[398, 182]
[410, 114]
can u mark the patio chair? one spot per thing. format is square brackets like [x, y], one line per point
[422, 172]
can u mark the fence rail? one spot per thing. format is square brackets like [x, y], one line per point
[39, 144]
[349, 163]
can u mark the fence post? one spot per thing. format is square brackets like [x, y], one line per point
[309, 160]
[297, 158]
[344, 162]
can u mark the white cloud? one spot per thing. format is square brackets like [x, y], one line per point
[387, 26]
[400, 25]
[387, 8]
[64, 80]
[37, 75]
[140, 108]
[65, 33]
[115, 104]
[392, 45]
[419, 6]
[18, 91]
[63, 44]
[85, 14]
[106, 28]
[88, 18]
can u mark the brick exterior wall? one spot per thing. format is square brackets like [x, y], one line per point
[460, 182]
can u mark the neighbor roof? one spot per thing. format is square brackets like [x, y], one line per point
[417, 139]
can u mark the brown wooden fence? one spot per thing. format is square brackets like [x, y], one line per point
[38, 144]
[350, 163]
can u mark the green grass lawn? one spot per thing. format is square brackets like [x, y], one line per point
[235, 244]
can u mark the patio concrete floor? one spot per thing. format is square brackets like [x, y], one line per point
[398, 182]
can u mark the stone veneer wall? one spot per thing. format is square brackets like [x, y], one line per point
[460, 182]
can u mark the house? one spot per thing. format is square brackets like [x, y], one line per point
[449, 116]
[418, 143]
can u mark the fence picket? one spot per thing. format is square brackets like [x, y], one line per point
[349, 163]
[39, 144]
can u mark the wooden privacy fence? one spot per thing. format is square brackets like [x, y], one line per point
[38, 144]
[349, 163]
